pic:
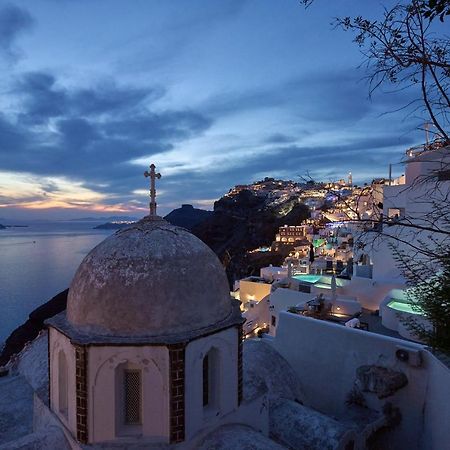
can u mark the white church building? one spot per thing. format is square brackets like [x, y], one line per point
[149, 349]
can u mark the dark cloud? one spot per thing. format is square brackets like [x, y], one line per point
[292, 161]
[13, 22]
[90, 134]
[279, 138]
[334, 95]
[336, 98]
[155, 127]
[43, 99]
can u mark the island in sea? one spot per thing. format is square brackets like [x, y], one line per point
[4, 227]
[187, 217]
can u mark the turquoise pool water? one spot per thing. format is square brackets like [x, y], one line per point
[402, 307]
[308, 278]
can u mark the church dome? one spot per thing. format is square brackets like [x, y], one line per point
[151, 279]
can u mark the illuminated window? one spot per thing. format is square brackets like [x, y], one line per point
[396, 213]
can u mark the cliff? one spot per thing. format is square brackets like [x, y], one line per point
[187, 216]
[245, 221]
[30, 329]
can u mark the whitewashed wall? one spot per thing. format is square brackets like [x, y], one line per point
[59, 342]
[325, 356]
[198, 417]
[102, 396]
[251, 290]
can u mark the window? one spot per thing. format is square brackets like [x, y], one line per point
[211, 380]
[62, 384]
[206, 380]
[128, 399]
[304, 288]
[273, 321]
[444, 175]
[132, 397]
[396, 213]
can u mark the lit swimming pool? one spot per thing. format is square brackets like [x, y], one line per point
[402, 307]
[308, 278]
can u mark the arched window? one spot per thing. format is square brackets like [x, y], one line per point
[62, 384]
[211, 379]
[128, 400]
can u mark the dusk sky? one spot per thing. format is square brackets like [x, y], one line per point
[214, 92]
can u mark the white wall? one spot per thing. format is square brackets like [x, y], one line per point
[256, 315]
[252, 290]
[437, 406]
[58, 342]
[369, 293]
[280, 300]
[198, 417]
[325, 357]
[102, 397]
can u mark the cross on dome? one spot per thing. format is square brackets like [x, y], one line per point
[153, 175]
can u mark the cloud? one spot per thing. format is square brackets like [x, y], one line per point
[334, 95]
[13, 22]
[44, 99]
[91, 134]
[279, 138]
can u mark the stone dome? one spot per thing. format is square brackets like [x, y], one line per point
[151, 279]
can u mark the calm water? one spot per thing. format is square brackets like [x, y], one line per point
[38, 262]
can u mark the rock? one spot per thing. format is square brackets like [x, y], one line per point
[113, 226]
[31, 328]
[187, 216]
[379, 380]
[232, 437]
[265, 370]
[246, 221]
[298, 427]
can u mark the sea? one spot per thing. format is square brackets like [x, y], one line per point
[39, 261]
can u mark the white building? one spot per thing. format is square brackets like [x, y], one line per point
[411, 198]
[140, 356]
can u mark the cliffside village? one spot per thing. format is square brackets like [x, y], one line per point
[153, 353]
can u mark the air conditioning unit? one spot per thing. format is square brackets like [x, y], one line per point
[411, 356]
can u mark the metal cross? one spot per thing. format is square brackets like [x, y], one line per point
[153, 175]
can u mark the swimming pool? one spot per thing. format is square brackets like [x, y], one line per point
[402, 307]
[308, 278]
[395, 314]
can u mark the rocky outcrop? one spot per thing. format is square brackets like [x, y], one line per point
[243, 222]
[187, 216]
[297, 427]
[112, 226]
[31, 328]
[379, 380]
[265, 370]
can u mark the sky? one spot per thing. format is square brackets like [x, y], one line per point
[214, 92]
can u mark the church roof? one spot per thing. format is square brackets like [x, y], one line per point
[151, 279]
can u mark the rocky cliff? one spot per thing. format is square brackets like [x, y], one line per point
[245, 221]
[187, 216]
[30, 329]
